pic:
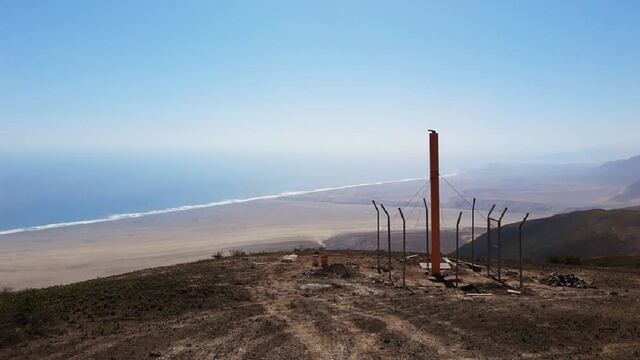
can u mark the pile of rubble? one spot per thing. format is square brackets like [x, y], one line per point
[567, 280]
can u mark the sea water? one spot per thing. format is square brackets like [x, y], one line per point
[50, 190]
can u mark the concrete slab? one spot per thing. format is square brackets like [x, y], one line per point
[443, 266]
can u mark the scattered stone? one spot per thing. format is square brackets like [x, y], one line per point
[315, 287]
[567, 280]
[154, 354]
[289, 258]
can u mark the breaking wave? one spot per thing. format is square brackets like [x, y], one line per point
[192, 207]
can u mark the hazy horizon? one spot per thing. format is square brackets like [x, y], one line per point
[362, 79]
[54, 189]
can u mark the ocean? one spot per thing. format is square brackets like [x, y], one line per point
[50, 190]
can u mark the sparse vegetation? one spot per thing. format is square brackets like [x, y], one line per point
[236, 252]
[24, 314]
[281, 310]
[98, 305]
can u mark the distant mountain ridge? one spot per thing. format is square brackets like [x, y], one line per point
[583, 234]
[617, 172]
[567, 187]
[622, 172]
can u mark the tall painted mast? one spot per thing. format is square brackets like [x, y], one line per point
[435, 201]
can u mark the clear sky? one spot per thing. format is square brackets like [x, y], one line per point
[320, 77]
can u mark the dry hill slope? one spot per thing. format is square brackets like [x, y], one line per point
[583, 234]
[256, 307]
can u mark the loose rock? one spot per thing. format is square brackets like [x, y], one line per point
[567, 280]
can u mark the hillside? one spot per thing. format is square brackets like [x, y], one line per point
[257, 307]
[630, 192]
[585, 234]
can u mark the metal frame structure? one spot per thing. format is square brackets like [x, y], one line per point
[432, 255]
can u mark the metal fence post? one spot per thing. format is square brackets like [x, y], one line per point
[500, 244]
[457, 246]
[388, 239]
[489, 240]
[404, 251]
[426, 223]
[520, 242]
[378, 227]
[473, 234]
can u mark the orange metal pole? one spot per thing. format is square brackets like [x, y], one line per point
[435, 201]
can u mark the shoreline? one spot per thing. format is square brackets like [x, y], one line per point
[135, 215]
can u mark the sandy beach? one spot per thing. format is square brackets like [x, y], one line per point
[41, 258]
[75, 253]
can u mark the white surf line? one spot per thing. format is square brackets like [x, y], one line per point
[199, 206]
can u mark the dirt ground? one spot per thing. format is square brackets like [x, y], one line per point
[257, 307]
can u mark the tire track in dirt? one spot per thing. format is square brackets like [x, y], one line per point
[416, 341]
[320, 329]
[300, 331]
[340, 330]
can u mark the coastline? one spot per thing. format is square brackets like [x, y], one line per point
[66, 254]
[135, 215]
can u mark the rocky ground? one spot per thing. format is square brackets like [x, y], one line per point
[257, 307]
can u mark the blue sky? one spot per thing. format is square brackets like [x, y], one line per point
[499, 79]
